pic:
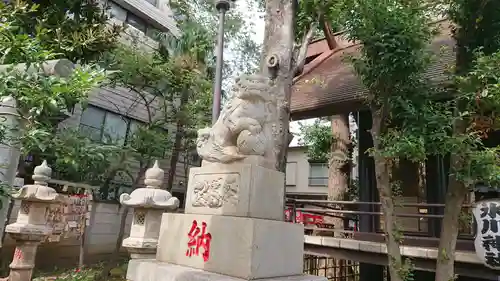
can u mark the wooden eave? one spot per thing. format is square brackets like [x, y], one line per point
[328, 84]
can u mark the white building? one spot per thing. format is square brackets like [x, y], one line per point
[307, 179]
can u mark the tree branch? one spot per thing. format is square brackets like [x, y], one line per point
[327, 31]
[300, 59]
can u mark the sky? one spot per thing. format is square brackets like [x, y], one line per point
[252, 16]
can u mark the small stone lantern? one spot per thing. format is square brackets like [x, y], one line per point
[149, 203]
[31, 228]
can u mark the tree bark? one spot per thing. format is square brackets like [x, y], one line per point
[279, 42]
[179, 133]
[338, 181]
[383, 178]
[338, 177]
[455, 196]
[328, 32]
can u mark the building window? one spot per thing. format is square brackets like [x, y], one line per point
[318, 174]
[133, 126]
[115, 128]
[136, 22]
[152, 2]
[153, 33]
[104, 126]
[91, 122]
[117, 12]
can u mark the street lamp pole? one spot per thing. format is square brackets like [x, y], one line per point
[222, 6]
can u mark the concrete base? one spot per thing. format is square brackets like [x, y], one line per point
[152, 270]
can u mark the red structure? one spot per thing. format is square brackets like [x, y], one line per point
[304, 218]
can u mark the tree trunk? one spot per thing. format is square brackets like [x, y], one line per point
[279, 42]
[179, 134]
[455, 196]
[383, 178]
[338, 177]
[174, 158]
[338, 181]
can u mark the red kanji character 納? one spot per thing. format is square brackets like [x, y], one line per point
[199, 240]
[192, 238]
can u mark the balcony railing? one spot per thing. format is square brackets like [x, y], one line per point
[419, 222]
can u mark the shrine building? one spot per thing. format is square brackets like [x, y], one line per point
[329, 86]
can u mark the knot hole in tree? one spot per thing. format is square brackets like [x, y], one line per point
[272, 62]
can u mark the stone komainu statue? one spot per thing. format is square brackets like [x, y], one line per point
[245, 126]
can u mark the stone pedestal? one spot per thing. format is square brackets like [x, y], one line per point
[241, 247]
[31, 227]
[149, 203]
[241, 190]
[232, 230]
[23, 261]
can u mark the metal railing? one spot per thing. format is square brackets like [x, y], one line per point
[419, 222]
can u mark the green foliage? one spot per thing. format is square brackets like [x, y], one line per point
[44, 101]
[392, 58]
[5, 192]
[394, 55]
[238, 33]
[477, 28]
[318, 138]
[478, 92]
[15, 44]
[163, 78]
[315, 11]
[174, 85]
[85, 273]
[150, 141]
[409, 122]
[195, 41]
[74, 156]
[73, 29]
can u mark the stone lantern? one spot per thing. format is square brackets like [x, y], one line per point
[31, 228]
[149, 203]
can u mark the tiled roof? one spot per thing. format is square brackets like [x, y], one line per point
[328, 84]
